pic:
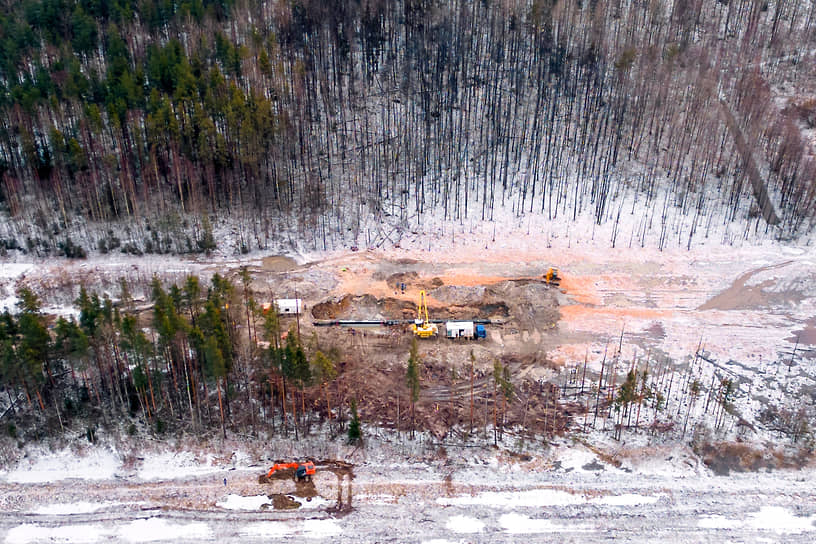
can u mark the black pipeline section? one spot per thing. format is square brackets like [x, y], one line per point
[385, 322]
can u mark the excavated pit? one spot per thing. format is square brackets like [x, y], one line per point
[368, 307]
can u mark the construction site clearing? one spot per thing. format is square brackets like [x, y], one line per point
[370, 316]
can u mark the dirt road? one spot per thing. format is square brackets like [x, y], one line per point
[420, 503]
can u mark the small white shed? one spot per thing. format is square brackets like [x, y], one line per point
[459, 329]
[286, 306]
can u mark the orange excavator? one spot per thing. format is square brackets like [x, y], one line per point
[303, 471]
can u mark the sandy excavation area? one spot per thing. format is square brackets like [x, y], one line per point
[747, 312]
[747, 304]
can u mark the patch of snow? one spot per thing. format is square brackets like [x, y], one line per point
[673, 462]
[320, 528]
[174, 465]
[769, 518]
[9, 303]
[544, 497]
[519, 524]
[576, 458]
[464, 524]
[67, 509]
[237, 502]
[627, 499]
[153, 529]
[11, 271]
[98, 464]
[268, 529]
[780, 520]
[62, 311]
[23, 534]
[310, 528]
[718, 522]
[510, 499]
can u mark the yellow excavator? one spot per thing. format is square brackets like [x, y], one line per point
[551, 277]
[422, 326]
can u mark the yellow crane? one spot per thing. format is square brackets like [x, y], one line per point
[422, 326]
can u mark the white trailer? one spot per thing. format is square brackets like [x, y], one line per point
[286, 306]
[459, 329]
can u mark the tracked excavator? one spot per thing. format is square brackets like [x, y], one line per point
[302, 472]
[551, 277]
[422, 326]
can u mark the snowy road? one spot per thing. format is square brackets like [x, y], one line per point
[415, 503]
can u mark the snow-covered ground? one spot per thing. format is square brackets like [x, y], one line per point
[746, 301]
[562, 493]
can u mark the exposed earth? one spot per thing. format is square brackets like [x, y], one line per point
[560, 469]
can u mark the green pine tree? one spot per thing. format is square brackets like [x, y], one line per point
[354, 431]
[412, 379]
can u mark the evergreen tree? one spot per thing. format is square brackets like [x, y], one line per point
[412, 372]
[354, 430]
[34, 342]
[71, 343]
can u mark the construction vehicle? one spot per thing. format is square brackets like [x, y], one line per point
[301, 472]
[464, 329]
[552, 277]
[422, 326]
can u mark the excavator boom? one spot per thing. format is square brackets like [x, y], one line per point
[280, 466]
[301, 471]
[422, 326]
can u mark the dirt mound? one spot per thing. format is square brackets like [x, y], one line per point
[279, 263]
[467, 312]
[364, 307]
[280, 474]
[331, 309]
[530, 301]
[411, 279]
[724, 457]
[460, 294]
[284, 502]
[533, 304]
[395, 280]
[395, 308]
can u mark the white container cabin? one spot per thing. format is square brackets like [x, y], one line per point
[459, 329]
[286, 306]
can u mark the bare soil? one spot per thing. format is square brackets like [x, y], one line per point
[551, 339]
[726, 457]
[524, 313]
